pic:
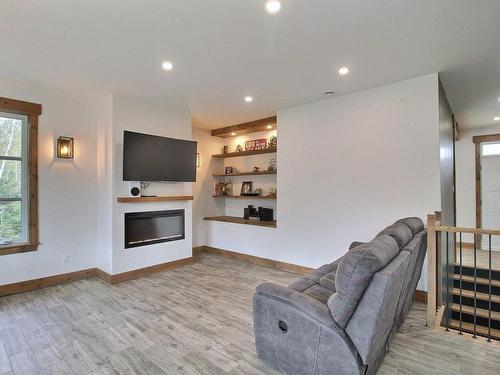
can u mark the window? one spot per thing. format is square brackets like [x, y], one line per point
[18, 176]
[490, 149]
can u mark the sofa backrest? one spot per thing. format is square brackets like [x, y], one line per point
[373, 319]
[355, 272]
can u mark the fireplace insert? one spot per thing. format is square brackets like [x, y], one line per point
[150, 227]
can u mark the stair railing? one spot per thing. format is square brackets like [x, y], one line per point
[442, 247]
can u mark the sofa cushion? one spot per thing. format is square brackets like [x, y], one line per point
[319, 292]
[328, 281]
[414, 223]
[400, 232]
[355, 272]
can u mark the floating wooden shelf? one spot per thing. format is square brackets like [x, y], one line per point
[246, 127]
[155, 199]
[268, 150]
[244, 174]
[243, 197]
[240, 220]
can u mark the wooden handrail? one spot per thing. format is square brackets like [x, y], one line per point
[445, 228]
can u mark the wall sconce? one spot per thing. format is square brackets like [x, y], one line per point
[197, 160]
[65, 147]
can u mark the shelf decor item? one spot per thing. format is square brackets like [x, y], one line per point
[273, 141]
[228, 170]
[256, 144]
[225, 149]
[273, 167]
[239, 148]
[246, 188]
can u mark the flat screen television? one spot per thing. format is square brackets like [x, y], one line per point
[153, 158]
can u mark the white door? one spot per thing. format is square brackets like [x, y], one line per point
[490, 195]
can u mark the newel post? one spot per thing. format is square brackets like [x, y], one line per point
[431, 270]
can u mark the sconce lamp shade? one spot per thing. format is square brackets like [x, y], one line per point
[65, 147]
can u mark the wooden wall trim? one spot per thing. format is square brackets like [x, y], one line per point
[136, 274]
[25, 286]
[44, 282]
[20, 107]
[420, 296]
[293, 268]
[486, 138]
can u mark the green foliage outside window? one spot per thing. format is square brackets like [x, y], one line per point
[10, 179]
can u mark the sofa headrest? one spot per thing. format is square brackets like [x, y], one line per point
[414, 223]
[355, 272]
[400, 232]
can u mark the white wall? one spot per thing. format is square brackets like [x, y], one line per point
[203, 188]
[347, 167]
[67, 188]
[465, 176]
[158, 117]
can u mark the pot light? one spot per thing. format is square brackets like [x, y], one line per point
[233, 134]
[167, 65]
[248, 99]
[497, 118]
[343, 70]
[269, 126]
[328, 93]
[273, 6]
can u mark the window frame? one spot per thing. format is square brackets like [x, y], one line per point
[31, 111]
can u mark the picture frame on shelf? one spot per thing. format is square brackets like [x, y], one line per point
[246, 188]
[256, 144]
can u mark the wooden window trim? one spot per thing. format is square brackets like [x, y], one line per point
[32, 111]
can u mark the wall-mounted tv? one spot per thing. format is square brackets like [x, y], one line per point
[153, 158]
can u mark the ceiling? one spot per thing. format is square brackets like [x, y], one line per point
[223, 50]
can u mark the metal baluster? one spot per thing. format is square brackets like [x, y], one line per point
[461, 255]
[475, 287]
[447, 284]
[489, 288]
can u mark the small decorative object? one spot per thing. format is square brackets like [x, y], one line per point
[219, 189]
[273, 141]
[272, 192]
[65, 147]
[239, 148]
[256, 169]
[257, 191]
[228, 170]
[256, 144]
[197, 160]
[246, 188]
[273, 167]
[227, 188]
[224, 149]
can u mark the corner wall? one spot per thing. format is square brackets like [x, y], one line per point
[347, 168]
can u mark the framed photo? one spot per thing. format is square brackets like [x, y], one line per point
[246, 188]
[256, 144]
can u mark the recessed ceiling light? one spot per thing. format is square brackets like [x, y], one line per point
[497, 118]
[167, 65]
[273, 6]
[269, 126]
[233, 133]
[248, 99]
[327, 93]
[343, 70]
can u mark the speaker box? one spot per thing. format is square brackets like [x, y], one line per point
[134, 188]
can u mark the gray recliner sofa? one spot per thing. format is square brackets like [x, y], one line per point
[340, 318]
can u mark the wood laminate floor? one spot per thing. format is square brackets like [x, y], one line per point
[192, 320]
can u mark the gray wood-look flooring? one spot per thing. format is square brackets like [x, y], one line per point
[192, 320]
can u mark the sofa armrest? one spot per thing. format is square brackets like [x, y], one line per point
[303, 303]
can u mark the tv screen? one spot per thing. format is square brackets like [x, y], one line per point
[153, 158]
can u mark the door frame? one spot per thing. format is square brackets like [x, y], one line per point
[478, 140]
